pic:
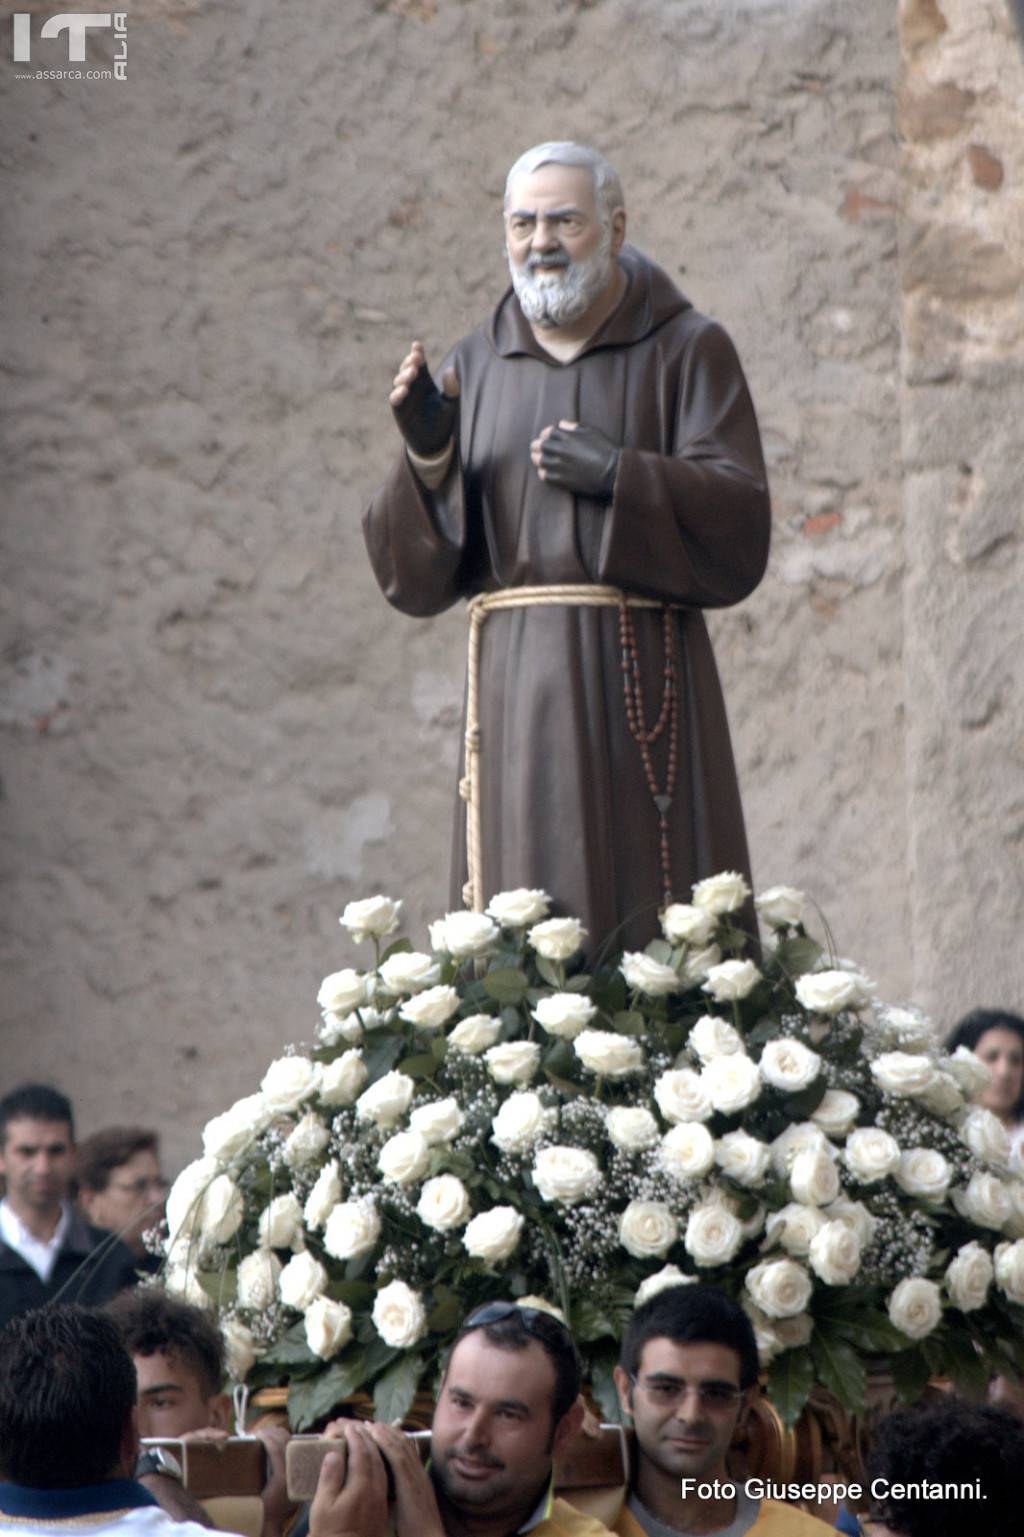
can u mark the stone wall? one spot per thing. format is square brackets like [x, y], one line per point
[214, 731]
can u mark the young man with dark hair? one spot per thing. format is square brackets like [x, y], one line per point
[47, 1249]
[120, 1186]
[687, 1377]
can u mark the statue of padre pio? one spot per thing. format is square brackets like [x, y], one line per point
[588, 472]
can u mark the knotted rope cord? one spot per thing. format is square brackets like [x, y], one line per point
[579, 594]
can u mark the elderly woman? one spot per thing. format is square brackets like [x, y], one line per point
[997, 1037]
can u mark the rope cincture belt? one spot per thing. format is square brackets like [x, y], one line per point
[584, 596]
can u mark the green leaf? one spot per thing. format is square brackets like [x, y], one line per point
[506, 985]
[358, 1295]
[602, 1385]
[394, 1392]
[839, 1367]
[801, 1106]
[400, 947]
[548, 970]
[559, 1057]
[791, 1377]
[381, 1057]
[309, 1402]
[291, 1349]
[447, 1311]
[420, 1066]
[798, 953]
[438, 1049]
[221, 1285]
[629, 1022]
[910, 1373]
[590, 1322]
[578, 983]
[661, 951]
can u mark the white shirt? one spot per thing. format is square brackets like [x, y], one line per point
[39, 1253]
[147, 1521]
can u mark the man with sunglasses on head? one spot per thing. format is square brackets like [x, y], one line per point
[687, 1377]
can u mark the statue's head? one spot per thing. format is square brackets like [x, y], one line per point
[564, 226]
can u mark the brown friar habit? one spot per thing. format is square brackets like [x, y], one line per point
[566, 802]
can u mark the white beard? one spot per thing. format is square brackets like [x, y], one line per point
[560, 295]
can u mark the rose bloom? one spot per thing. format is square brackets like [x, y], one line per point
[352, 1229]
[972, 1074]
[986, 1136]
[647, 1229]
[387, 1100]
[723, 893]
[856, 1215]
[793, 1140]
[711, 1037]
[731, 1083]
[985, 1200]
[697, 964]
[814, 1178]
[404, 1158]
[566, 1174]
[240, 1356]
[730, 981]
[564, 1014]
[221, 1210]
[301, 1282]
[908, 1028]
[915, 1307]
[682, 924]
[287, 1082]
[835, 1254]
[743, 1158]
[324, 1196]
[280, 1223]
[826, 992]
[687, 1151]
[343, 991]
[1009, 1266]
[520, 1122]
[781, 906]
[430, 1009]
[399, 1316]
[837, 1112]
[557, 939]
[871, 1154]
[493, 1235]
[661, 1280]
[306, 1141]
[924, 1174]
[439, 1121]
[468, 933]
[901, 1073]
[516, 909]
[780, 1287]
[789, 1065]
[609, 1055]
[632, 1128]
[513, 1061]
[228, 1135]
[475, 1034]
[646, 975]
[443, 1203]
[257, 1278]
[794, 1227]
[342, 1081]
[372, 918]
[328, 1327]
[681, 1096]
[335, 1028]
[969, 1276]
[942, 1096]
[713, 1234]
[184, 1199]
[409, 971]
[766, 1336]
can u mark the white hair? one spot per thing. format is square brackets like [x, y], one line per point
[607, 187]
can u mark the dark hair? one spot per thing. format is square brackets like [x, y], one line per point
[99, 1155]
[969, 1031]
[67, 1391]
[34, 1102]
[513, 1328]
[152, 1323]
[690, 1315]
[944, 1443]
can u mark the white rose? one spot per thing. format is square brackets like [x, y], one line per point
[683, 924]
[221, 1211]
[352, 1229]
[973, 1076]
[766, 1335]
[431, 1009]
[185, 1197]
[795, 1331]
[908, 1028]
[856, 1215]
[566, 1174]
[743, 1158]
[343, 991]
[632, 1128]
[228, 1135]
[408, 971]
[661, 1280]
[835, 1254]
[969, 1276]
[258, 1275]
[647, 975]
[713, 1234]
[542, 1304]
[781, 906]
[239, 1354]
[280, 1223]
[871, 1154]
[698, 963]
[723, 893]
[443, 1203]
[404, 1157]
[475, 1034]
[493, 1235]
[1009, 1268]
[306, 1141]
[335, 1028]
[730, 981]
[826, 992]
[793, 1141]
[609, 1055]
[942, 1096]
[789, 1065]
[328, 1327]
[516, 909]
[399, 1316]
[324, 1196]
[469, 933]
[437, 937]
[711, 1037]
[814, 1179]
[564, 1014]
[342, 1080]
[794, 1227]
[647, 1229]
[731, 1083]
[557, 939]
[1013, 1227]
[386, 1101]
[520, 1122]
[437, 1122]
[681, 1096]
[287, 1082]
[915, 1307]
[780, 1287]
[301, 1281]
[372, 918]
[986, 1136]
[183, 1282]
[985, 1200]
[837, 1112]
[924, 1174]
[513, 1061]
[902, 1073]
[687, 1151]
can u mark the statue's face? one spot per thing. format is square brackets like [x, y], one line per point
[559, 248]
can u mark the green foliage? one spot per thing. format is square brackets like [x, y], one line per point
[791, 1377]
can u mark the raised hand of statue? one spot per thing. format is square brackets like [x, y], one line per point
[426, 417]
[579, 459]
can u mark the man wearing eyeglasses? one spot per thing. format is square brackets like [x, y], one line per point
[687, 1376]
[121, 1188]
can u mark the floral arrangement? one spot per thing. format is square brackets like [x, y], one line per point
[483, 1120]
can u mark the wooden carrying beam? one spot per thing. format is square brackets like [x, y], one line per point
[214, 1468]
